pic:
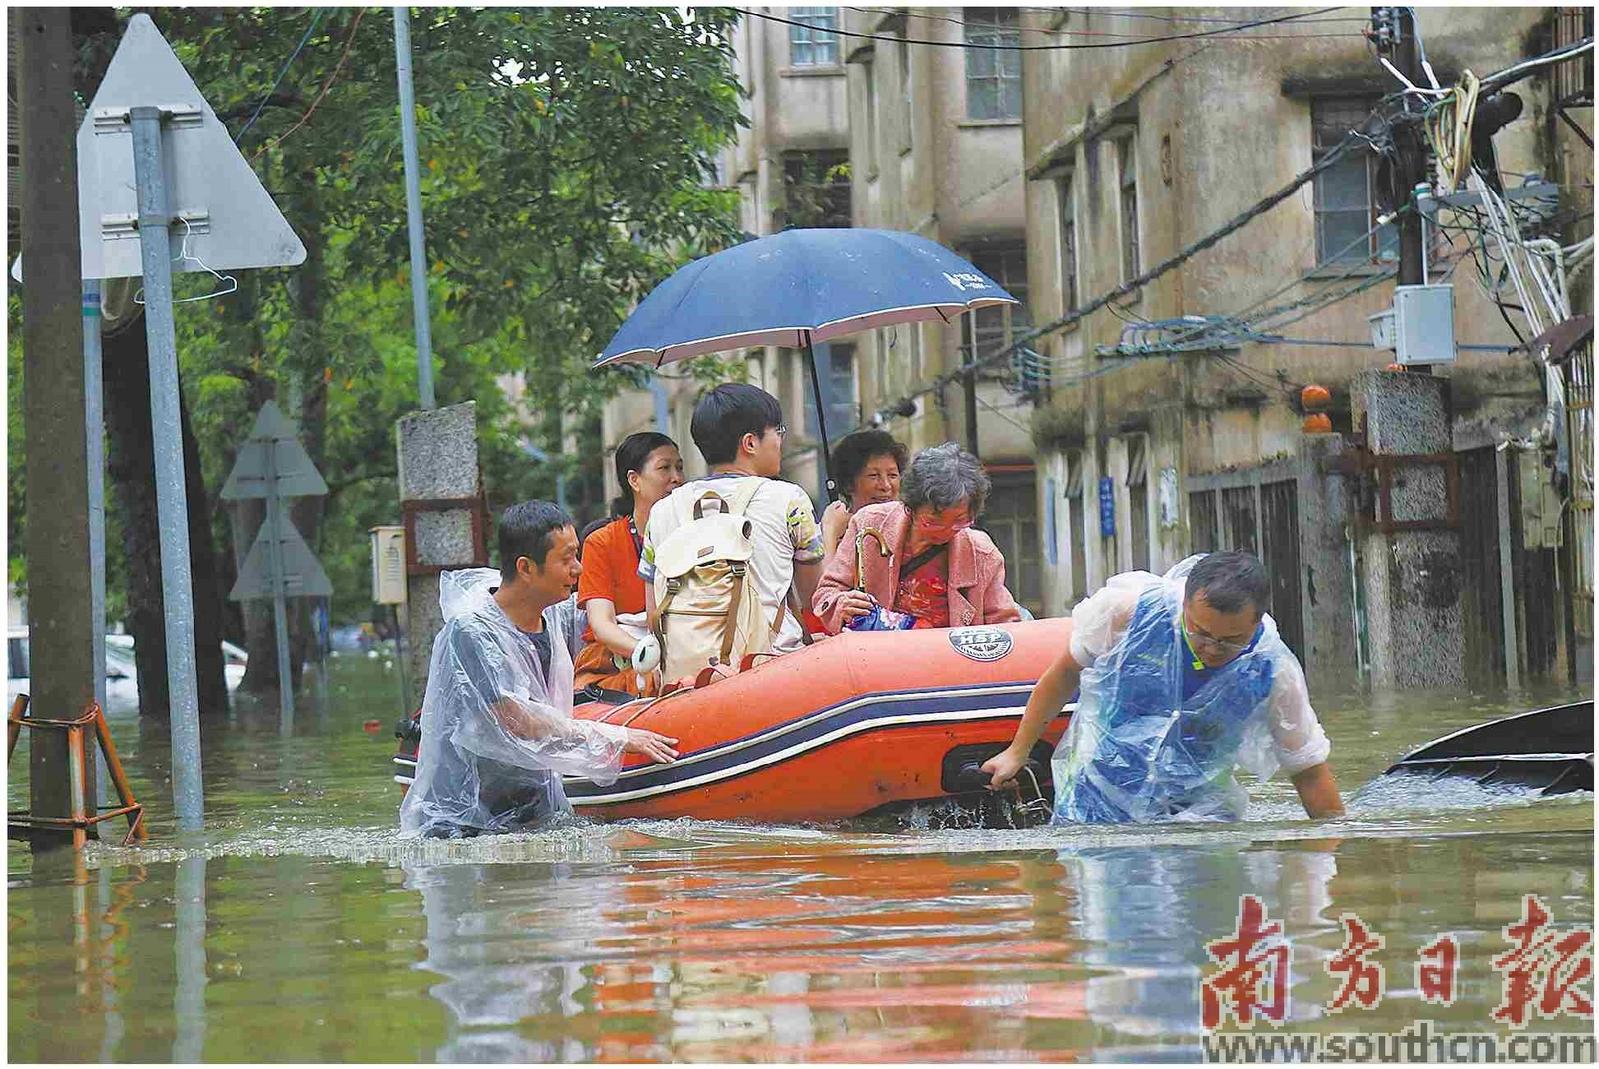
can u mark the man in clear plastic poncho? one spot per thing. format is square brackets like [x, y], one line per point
[497, 725]
[1184, 678]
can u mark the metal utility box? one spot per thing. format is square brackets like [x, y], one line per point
[1424, 325]
[388, 565]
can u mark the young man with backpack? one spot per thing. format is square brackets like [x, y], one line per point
[727, 557]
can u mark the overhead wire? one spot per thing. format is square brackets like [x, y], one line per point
[1197, 19]
[349, 42]
[1133, 37]
[316, 17]
[975, 46]
[970, 367]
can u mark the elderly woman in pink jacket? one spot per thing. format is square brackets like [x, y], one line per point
[920, 556]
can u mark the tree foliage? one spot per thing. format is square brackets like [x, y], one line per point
[566, 168]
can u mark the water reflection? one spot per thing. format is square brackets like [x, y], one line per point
[489, 948]
[301, 927]
[1144, 916]
[188, 996]
[769, 955]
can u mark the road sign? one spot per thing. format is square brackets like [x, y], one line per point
[272, 464]
[222, 216]
[303, 576]
[272, 447]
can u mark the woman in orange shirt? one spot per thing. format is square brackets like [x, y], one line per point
[648, 467]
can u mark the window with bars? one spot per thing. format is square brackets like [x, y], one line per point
[1076, 526]
[1127, 179]
[1066, 193]
[837, 371]
[993, 75]
[812, 45]
[816, 189]
[989, 330]
[1138, 499]
[1011, 520]
[1345, 193]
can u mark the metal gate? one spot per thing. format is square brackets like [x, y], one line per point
[1481, 603]
[1262, 518]
[1500, 560]
[1279, 528]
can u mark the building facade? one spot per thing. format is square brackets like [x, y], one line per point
[1170, 420]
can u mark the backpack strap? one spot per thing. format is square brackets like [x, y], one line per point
[698, 511]
[730, 624]
[745, 497]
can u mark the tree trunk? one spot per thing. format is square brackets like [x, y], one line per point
[307, 291]
[130, 461]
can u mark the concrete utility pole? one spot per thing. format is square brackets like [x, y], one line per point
[1413, 154]
[60, 597]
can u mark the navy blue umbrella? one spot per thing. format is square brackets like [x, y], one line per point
[798, 288]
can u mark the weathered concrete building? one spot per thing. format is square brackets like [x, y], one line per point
[1160, 434]
[936, 149]
[1171, 421]
[791, 168]
[897, 137]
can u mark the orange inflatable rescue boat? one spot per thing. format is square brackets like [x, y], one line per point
[862, 723]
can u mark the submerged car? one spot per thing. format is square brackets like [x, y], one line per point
[121, 674]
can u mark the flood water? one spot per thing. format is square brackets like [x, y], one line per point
[301, 927]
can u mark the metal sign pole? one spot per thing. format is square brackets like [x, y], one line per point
[413, 207]
[280, 611]
[94, 430]
[172, 506]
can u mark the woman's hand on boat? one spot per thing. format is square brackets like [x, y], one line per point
[1003, 766]
[656, 747]
[854, 603]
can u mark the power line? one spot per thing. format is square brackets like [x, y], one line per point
[752, 13]
[348, 43]
[1133, 37]
[1021, 344]
[1199, 19]
[316, 17]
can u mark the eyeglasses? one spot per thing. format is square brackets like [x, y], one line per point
[1199, 637]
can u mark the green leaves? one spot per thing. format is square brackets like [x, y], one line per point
[565, 155]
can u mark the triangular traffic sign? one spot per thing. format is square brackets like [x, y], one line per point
[303, 576]
[231, 219]
[272, 439]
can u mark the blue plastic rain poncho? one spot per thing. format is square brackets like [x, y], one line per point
[1139, 749]
[497, 727]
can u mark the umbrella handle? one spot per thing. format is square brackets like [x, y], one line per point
[860, 553]
[821, 421]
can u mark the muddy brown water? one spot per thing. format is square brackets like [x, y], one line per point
[301, 926]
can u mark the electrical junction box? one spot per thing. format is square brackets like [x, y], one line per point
[388, 565]
[1424, 325]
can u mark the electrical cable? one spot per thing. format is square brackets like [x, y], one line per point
[755, 13]
[1198, 19]
[327, 85]
[316, 17]
[1134, 38]
[1510, 75]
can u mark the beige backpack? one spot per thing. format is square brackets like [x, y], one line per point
[708, 608]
